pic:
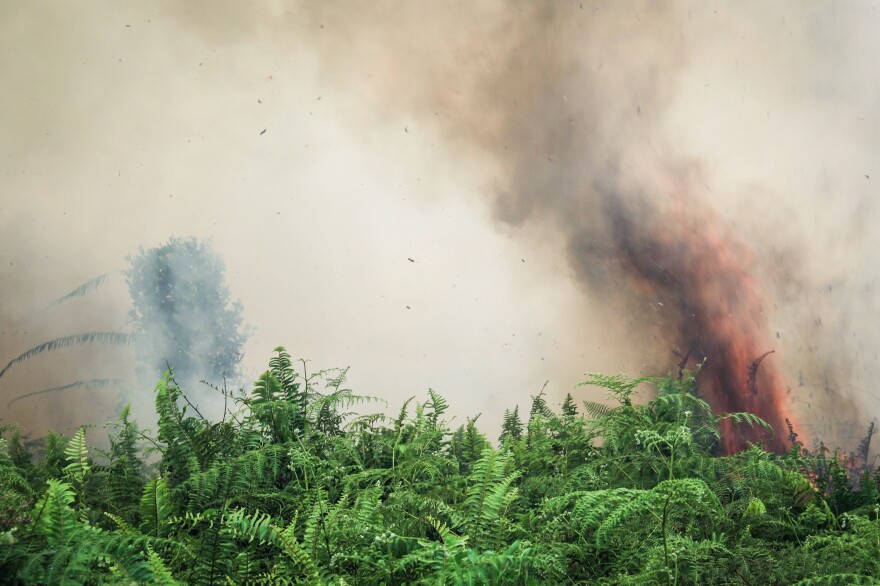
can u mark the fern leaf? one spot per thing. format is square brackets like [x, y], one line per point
[748, 418]
[95, 383]
[257, 525]
[489, 493]
[290, 546]
[120, 522]
[597, 410]
[839, 580]
[111, 338]
[161, 575]
[618, 385]
[82, 290]
[437, 405]
[77, 456]
[155, 507]
[53, 516]
[282, 367]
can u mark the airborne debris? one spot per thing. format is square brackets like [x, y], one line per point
[410, 260]
[752, 373]
[263, 132]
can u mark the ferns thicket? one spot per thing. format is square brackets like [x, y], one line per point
[293, 486]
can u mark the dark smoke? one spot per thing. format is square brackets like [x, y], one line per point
[567, 102]
[697, 276]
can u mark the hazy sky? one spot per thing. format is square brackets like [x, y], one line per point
[321, 145]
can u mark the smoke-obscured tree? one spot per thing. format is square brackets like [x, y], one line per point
[182, 312]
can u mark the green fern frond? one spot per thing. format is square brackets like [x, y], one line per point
[53, 515]
[840, 580]
[540, 408]
[291, 547]
[437, 405]
[77, 454]
[254, 526]
[747, 418]
[451, 541]
[597, 410]
[266, 390]
[402, 415]
[120, 522]
[185, 452]
[671, 504]
[618, 385]
[161, 575]
[155, 507]
[489, 493]
[282, 368]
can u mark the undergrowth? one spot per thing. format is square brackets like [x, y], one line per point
[291, 486]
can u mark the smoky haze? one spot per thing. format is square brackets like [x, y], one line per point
[581, 186]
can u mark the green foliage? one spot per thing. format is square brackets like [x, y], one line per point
[512, 428]
[78, 458]
[292, 487]
[124, 474]
[155, 508]
[53, 516]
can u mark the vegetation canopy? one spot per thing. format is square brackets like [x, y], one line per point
[292, 486]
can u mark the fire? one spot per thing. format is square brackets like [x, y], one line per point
[684, 256]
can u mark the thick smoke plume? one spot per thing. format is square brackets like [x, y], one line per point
[673, 179]
[565, 101]
[183, 317]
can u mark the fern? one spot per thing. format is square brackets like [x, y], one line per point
[111, 338]
[291, 547]
[185, 452]
[78, 458]
[489, 495]
[53, 516]
[95, 383]
[282, 369]
[844, 579]
[161, 575]
[437, 406]
[155, 508]
[618, 386]
[284, 491]
[82, 290]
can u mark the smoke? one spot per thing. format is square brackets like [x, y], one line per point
[601, 184]
[569, 102]
[184, 318]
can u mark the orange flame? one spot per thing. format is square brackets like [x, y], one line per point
[684, 257]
